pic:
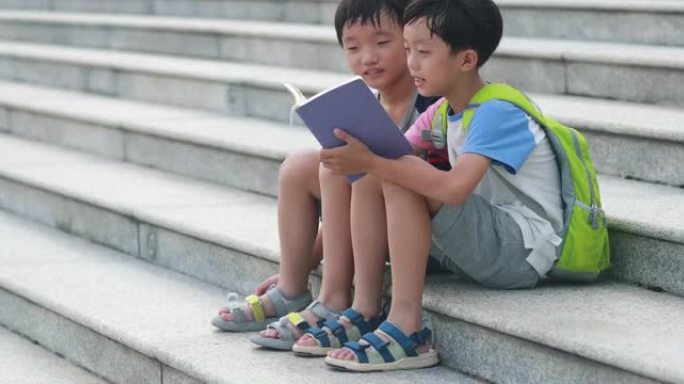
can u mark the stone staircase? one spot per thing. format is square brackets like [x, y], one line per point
[139, 148]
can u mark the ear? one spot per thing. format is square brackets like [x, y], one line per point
[469, 59]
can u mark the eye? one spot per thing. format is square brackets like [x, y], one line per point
[352, 48]
[423, 52]
[383, 42]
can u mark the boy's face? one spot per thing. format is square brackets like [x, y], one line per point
[434, 67]
[375, 53]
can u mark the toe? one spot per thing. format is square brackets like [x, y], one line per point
[307, 341]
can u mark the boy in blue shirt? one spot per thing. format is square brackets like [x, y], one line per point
[473, 216]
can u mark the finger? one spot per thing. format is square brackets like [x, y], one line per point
[343, 135]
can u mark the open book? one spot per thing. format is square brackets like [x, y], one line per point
[352, 107]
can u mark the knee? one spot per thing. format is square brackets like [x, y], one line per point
[299, 169]
[391, 189]
[368, 183]
[327, 176]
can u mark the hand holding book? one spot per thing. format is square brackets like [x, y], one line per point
[353, 158]
[353, 108]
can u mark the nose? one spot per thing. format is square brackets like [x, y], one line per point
[369, 57]
[411, 61]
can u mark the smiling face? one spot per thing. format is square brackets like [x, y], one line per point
[436, 69]
[375, 52]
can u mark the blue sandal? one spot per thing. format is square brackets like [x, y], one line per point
[286, 325]
[333, 334]
[398, 352]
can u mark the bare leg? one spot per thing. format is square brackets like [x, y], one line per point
[409, 233]
[298, 190]
[338, 267]
[369, 242]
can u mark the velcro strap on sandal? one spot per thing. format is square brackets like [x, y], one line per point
[298, 321]
[359, 350]
[423, 336]
[257, 308]
[357, 319]
[320, 335]
[407, 343]
[338, 330]
[380, 345]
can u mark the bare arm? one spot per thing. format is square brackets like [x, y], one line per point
[452, 187]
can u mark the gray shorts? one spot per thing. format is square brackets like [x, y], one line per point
[484, 242]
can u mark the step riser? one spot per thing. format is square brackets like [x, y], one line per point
[637, 157]
[241, 170]
[647, 261]
[664, 28]
[501, 358]
[219, 265]
[657, 28]
[264, 50]
[201, 258]
[295, 10]
[82, 345]
[612, 154]
[273, 102]
[606, 80]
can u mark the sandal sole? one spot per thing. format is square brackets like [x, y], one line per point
[424, 360]
[310, 351]
[247, 326]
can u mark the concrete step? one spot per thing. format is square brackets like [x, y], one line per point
[660, 21]
[24, 362]
[74, 296]
[147, 325]
[245, 153]
[630, 72]
[256, 90]
[306, 11]
[190, 226]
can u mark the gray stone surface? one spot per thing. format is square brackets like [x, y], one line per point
[652, 263]
[501, 358]
[207, 212]
[69, 133]
[56, 332]
[596, 322]
[592, 24]
[656, 86]
[71, 216]
[617, 155]
[26, 363]
[146, 312]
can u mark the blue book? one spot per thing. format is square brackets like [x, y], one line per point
[352, 107]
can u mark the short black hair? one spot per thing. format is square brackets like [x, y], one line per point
[462, 24]
[367, 11]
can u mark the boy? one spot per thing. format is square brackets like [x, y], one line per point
[370, 33]
[472, 215]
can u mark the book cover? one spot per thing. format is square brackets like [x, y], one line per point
[352, 107]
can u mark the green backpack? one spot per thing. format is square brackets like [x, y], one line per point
[585, 251]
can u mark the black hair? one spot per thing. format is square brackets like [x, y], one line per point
[350, 12]
[462, 24]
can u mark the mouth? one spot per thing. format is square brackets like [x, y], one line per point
[418, 81]
[373, 72]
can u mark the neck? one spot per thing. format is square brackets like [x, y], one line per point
[398, 92]
[460, 97]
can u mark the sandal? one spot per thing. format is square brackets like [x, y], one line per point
[287, 336]
[399, 352]
[333, 334]
[259, 321]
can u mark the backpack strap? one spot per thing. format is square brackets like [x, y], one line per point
[503, 92]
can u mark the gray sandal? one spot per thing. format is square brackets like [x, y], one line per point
[259, 321]
[287, 336]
